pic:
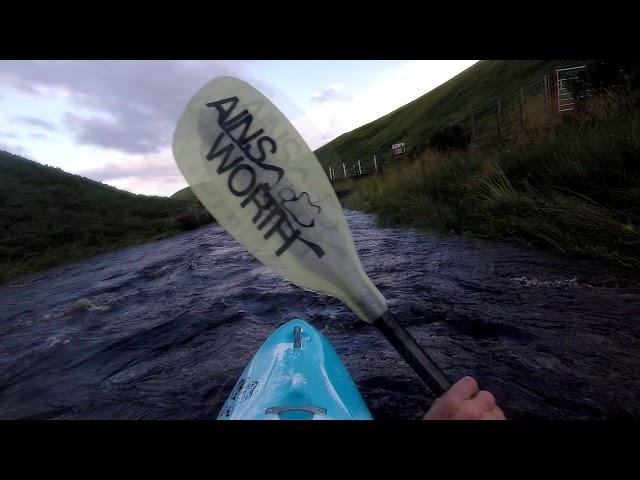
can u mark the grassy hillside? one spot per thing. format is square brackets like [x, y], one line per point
[475, 89]
[184, 194]
[573, 186]
[49, 217]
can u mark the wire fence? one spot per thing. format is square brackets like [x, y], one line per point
[496, 125]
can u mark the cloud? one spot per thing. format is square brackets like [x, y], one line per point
[140, 167]
[136, 103]
[38, 122]
[151, 174]
[134, 135]
[15, 149]
[330, 93]
[8, 135]
[154, 186]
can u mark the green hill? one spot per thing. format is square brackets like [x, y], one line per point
[49, 217]
[185, 194]
[568, 181]
[475, 89]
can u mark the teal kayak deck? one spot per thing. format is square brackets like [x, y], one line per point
[295, 375]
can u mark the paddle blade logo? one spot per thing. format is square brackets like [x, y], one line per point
[256, 175]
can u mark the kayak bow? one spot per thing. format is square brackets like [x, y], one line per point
[295, 375]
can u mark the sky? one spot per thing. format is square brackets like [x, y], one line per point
[112, 121]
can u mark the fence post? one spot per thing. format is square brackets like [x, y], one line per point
[473, 128]
[522, 106]
[499, 118]
[556, 92]
[344, 169]
[375, 163]
[359, 168]
[545, 86]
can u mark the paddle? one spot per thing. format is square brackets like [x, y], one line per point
[256, 175]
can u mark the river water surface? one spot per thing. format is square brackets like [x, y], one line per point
[163, 330]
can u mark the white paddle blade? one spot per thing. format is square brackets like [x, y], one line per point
[259, 179]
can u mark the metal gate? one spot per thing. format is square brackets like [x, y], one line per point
[566, 101]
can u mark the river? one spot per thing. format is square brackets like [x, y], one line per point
[163, 330]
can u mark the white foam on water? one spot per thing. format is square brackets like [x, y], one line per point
[534, 282]
[82, 305]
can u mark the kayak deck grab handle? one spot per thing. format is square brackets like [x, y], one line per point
[304, 408]
[297, 339]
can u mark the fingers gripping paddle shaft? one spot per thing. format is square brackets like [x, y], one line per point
[413, 354]
[255, 174]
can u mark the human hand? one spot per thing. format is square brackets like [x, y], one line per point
[465, 401]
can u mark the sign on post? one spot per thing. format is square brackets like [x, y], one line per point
[398, 148]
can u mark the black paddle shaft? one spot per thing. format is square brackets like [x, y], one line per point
[414, 355]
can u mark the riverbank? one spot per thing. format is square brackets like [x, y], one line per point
[572, 186]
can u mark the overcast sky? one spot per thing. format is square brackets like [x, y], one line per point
[113, 121]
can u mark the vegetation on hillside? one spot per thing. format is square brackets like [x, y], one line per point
[49, 217]
[571, 183]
